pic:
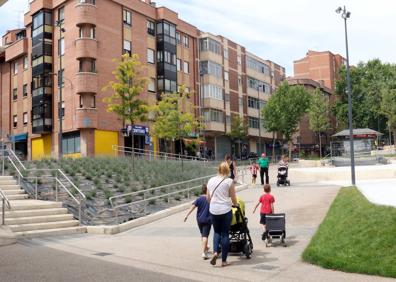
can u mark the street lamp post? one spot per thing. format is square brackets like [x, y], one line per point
[60, 86]
[346, 15]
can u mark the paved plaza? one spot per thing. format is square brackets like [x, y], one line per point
[169, 249]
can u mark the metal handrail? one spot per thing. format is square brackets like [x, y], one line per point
[151, 153]
[155, 188]
[57, 179]
[5, 202]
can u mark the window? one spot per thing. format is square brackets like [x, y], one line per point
[14, 94]
[258, 66]
[214, 115]
[212, 91]
[208, 44]
[239, 81]
[239, 60]
[178, 63]
[71, 143]
[253, 122]
[151, 28]
[127, 17]
[15, 120]
[92, 33]
[178, 38]
[255, 103]
[228, 120]
[254, 84]
[151, 85]
[62, 109]
[211, 68]
[127, 47]
[25, 92]
[61, 14]
[61, 79]
[226, 75]
[14, 67]
[226, 53]
[88, 1]
[25, 62]
[186, 67]
[150, 56]
[186, 42]
[25, 118]
[61, 47]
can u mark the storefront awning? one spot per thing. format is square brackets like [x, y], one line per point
[363, 133]
[19, 137]
[189, 141]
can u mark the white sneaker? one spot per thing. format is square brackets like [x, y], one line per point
[205, 255]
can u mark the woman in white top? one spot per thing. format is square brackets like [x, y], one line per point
[221, 196]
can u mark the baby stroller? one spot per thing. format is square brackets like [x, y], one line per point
[240, 240]
[276, 228]
[282, 176]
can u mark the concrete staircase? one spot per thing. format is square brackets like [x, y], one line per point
[34, 218]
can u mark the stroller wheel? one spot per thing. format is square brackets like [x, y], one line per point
[247, 249]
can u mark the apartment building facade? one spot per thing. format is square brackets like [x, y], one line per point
[70, 46]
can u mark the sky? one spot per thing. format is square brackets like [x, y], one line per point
[280, 30]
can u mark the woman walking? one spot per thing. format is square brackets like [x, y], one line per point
[232, 167]
[221, 195]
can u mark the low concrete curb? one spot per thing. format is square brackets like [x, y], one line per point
[7, 237]
[114, 229]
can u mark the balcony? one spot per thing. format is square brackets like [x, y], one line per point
[17, 49]
[255, 132]
[86, 82]
[86, 47]
[213, 103]
[85, 13]
[86, 118]
[214, 126]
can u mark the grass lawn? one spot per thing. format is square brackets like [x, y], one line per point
[356, 236]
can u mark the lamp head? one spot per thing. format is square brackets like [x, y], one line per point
[339, 10]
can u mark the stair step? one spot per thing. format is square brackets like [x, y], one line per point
[17, 205]
[51, 232]
[5, 187]
[38, 219]
[37, 212]
[8, 182]
[17, 197]
[43, 225]
[13, 192]
[6, 177]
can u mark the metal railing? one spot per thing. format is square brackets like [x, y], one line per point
[5, 202]
[60, 179]
[152, 155]
[143, 200]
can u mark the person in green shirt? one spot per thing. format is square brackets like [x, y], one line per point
[263, 163]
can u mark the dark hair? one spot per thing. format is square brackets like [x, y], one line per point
[267, 188]
[204, 189]
[227, 157]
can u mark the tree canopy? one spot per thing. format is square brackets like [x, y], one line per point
[127, 87]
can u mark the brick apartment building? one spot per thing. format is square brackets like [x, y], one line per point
[174, 52]
[317, 70]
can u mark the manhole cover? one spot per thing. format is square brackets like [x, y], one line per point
[102, 254]
[265, 267]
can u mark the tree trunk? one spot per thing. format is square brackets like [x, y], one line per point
[320, 146]
[133, 150]
[290, 148]
[273, 146]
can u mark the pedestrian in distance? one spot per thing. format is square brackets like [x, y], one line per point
[203, 219]
[253, 170]
[232, 165]
[264, 166]
[222, 196]
[267, 207]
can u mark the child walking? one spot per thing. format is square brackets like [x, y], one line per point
[267, 207]
[203, 219]
[253, 170]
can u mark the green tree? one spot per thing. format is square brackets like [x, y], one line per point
[388, 108]
[318, 114]
[127, 87]
[238, 131]
[291, 102]
[271, 115]
[367, 82]
[170, 122]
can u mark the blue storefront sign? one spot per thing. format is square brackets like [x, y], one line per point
[139, 130]
[19, 137]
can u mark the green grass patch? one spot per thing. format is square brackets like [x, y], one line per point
[356, 236]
